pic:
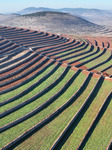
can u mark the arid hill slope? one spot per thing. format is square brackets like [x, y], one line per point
[57, 22]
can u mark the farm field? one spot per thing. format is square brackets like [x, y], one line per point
[55, 92]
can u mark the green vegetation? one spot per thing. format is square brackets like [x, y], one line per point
[80, 130]
[8, 95]
[56, 126]
[22, 127]
[85, 55]
[36, 90]
[102, 58]
[29, 107]
[103, 131]
[105, 65]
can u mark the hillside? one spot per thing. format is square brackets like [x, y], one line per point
[101, 17]
[55, 92]
[33, 10]
[57, 22]
[6, 18]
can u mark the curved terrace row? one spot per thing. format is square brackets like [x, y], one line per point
[56, 92]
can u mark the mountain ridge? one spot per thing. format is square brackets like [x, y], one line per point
[97, 16]
[56, 22]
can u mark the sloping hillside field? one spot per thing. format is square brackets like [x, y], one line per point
[55, 92]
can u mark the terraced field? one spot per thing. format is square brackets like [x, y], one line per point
[55, 92]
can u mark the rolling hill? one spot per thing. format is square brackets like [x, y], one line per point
[57, 22]
[101, 17]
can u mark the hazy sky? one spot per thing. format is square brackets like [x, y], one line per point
[16, 5]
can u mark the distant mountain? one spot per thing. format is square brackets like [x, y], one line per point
[101, 17]
[85, 12]
[110, 11]
[30, 10]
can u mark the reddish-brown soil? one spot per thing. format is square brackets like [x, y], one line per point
[64, 65]
[109, 79]
[66, 61]
[83, 67]
[23, 79]
[94, 71]
[85, 72]
[30, 67]
[106, 74]
[96, 75]
[15, 69]
[74, 68]
[100, 42]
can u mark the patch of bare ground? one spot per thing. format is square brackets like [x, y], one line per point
[83, 67]
[94, 71]
[74, 68]
[106, 74]
[66, 61]
[76, 63]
